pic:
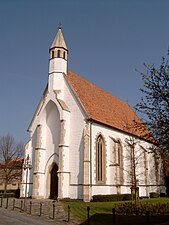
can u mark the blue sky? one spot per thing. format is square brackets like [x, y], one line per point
[107, 41]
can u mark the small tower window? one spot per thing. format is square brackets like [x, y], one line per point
[58, 53]
[64, 55]
[53, 54]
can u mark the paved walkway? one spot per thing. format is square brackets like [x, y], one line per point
[15, 218]
[35, 212]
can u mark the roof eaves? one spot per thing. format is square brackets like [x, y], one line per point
[120, 130]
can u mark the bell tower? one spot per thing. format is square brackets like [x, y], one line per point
[58, 55]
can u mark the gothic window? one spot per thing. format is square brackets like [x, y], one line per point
[116, 151]
[112, 152]
[58, 53]
[119, 151]
[145, 164]
[117, 159]
[100, 160]
[120, 162]
[156, 165]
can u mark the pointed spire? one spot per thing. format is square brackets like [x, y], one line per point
[58, 54]
[59, 41]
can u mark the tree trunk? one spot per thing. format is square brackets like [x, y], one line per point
[5, 186]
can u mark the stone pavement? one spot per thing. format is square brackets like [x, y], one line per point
[8, 217]
[46, 211]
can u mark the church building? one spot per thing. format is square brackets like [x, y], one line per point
[83, 141]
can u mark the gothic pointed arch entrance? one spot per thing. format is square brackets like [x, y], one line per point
[54, 182]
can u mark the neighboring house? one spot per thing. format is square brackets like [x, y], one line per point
[11, 174]
[79, 140]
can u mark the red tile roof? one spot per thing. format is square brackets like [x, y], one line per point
[15, 163]
[102, 107]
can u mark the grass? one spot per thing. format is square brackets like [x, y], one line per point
[79, 208]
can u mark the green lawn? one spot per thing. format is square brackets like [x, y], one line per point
[78, 209]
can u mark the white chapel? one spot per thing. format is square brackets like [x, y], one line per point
[82, 141]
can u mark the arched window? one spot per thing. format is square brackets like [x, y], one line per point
[100, 160]
[117, 159]
[119, 151]
[58, 54]
[116, 151]
[64, 55]
[120, 162]
[53, 54]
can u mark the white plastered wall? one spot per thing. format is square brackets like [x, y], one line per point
[50, 116]
[77, 125]
[110, 185]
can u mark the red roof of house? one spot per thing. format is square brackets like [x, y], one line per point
[15, 163]
[102, 107]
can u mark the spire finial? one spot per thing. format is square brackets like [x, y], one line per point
[60, 25]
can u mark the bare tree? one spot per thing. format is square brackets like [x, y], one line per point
[10, 160]
[144, 165]
[154, 104]
[138, 145]
[135, 163]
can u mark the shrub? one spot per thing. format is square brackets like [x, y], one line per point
[128, 197]
[154, 195]
[10, 193]
[162, 195]
[144, 197]
[70, 200]
[7, 195]
[129, 208]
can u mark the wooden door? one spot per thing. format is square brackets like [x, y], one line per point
[54, 183]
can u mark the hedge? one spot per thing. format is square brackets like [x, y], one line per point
[154, 195]
[129, 208]
[112, 198]
[10, 193]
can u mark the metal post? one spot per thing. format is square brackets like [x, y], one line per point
[40, 209]
[68, 220]
[88, 215]
[13, 204]
[21, 206]
[30, 209]
[26, 189]
[6, 203]
[53, 210]
[114, 221]
[1, 201]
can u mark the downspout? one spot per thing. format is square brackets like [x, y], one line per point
[90, 159]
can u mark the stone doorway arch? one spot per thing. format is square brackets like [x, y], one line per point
[54, 182]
